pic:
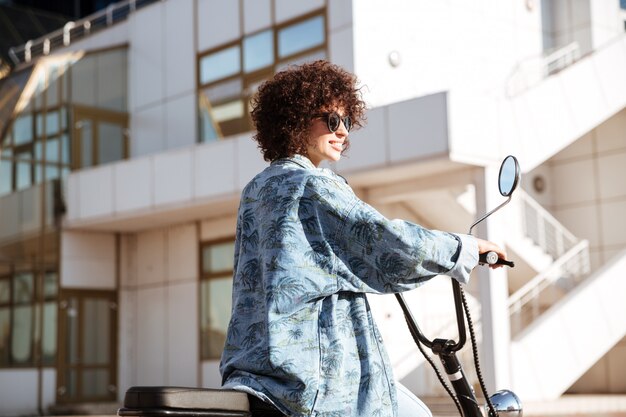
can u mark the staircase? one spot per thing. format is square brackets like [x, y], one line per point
[565, 318]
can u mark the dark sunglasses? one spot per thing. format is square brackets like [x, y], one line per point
[333, 120]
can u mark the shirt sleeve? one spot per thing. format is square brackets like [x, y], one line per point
[376, 254]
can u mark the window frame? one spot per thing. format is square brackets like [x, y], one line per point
[205, 277]
[36, 303]
[248, 79]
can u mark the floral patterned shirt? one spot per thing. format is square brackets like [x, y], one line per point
[307, 250]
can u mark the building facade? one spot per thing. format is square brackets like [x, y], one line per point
[126, 140]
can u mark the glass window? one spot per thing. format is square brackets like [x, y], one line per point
[229, 77]
[218, 257]
[216, 295]
[301, 59]
[23, 288]
[228, 111]
[23, 297]
[49, 335]
[110, 142]
[23, 175]
[23, 129]
[209, 129]
[258, 51]
[220, 64]
[52, 123]
[6, 176]
[52, 150]
[5, 331]
[301, 36]
[23, 318]
[224, 90]
[65, 149]
[5, 291]
[111, 79]
[222, 110]
[52, 172]
[86, 143]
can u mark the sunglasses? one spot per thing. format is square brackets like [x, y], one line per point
[333, 120]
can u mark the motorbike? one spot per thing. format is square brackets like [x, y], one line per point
[158, 401]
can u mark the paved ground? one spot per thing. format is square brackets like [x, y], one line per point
[566, 406]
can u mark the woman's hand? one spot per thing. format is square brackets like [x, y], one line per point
[485, 246]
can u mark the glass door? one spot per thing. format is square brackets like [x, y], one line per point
[99, 136]
[87, 360]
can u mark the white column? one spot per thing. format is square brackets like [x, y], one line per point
[493, 286]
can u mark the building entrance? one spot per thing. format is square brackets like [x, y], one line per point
[87, 359]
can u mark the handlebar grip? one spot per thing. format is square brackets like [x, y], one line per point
[492, 258]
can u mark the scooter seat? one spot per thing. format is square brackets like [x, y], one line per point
[171, 401]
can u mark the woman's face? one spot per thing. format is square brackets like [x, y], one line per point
[325, 145]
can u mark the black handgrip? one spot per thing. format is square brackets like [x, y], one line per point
[491, 258]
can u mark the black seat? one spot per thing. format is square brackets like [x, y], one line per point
[183, 401]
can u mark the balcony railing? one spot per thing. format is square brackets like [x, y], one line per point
[73, 31]
[532, 71]
[541, 292]
[570, 267]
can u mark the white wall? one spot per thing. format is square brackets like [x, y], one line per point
[159, 307]
[442, 45]
[605, 21]
[588, 193]
[88, 260]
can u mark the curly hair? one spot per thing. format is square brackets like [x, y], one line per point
[282, 107]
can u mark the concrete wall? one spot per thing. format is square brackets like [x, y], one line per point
[88, 260]
[440, 46]
[585, 190]
[158, 323]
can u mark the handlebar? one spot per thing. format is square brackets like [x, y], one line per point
[491, 258]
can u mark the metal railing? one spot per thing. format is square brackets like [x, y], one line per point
[79, 29]
[533, 70]
[541, 292]
[561, 58]
[570, 268]
[543, 229]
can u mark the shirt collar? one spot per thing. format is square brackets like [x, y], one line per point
[301, 160]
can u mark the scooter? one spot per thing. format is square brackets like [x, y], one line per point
[158, 401]
[504, 402]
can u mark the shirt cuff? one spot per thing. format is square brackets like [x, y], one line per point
[467, 260]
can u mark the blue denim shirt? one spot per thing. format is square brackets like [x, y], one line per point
[307, 250]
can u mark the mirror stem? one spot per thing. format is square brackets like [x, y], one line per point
[489, 214]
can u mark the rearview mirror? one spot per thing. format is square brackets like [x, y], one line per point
[509, 176]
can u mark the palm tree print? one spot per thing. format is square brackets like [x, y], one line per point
[367, 232]
[273, 265]
[270, 187]
[288, 290]
[279, 230]
[250, 274]
[320, 255]
[307, 250]
[392, 266]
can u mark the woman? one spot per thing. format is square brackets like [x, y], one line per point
[301, 338]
